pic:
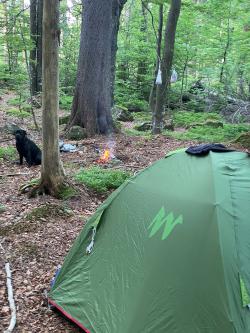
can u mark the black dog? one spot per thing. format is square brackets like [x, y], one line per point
[27, 148]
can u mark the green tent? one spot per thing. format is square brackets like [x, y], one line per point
[169, 252]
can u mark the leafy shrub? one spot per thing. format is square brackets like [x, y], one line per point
[142, 116]
[15, 101]
[102, 180]
[206, 133]
[65, 102]
[184, 118]
[7, 152]
[18, 113]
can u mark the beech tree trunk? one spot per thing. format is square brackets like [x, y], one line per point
[166, 65]
[91, 106]
[36, 14]
[158, 51]
[116, 13]
[52, 170]
[92, 100]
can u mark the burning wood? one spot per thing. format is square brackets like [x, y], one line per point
[106, 157]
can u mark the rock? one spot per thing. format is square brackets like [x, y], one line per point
[64, 120]
[135, 108]
[186, 98]
[213, 123]
[122, 114]
[168, 125]
[76, 133]
[117, 126]
[11, 128]
[146, 126]
[2, 209]
[209, 123]
[244, 140]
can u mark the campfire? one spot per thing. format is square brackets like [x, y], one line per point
[105, 157]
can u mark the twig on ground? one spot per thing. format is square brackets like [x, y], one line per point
[11, 300]
[14, 174]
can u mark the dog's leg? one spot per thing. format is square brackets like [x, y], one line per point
[21, 159]
[29, 159]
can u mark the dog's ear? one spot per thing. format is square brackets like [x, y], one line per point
[24, 133]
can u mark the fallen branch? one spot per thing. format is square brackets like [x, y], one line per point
[11, 300]
[14, 174]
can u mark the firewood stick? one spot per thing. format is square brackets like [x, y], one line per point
[11, 300]
[14, 174]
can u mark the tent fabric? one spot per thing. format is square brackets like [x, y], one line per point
[170, 248]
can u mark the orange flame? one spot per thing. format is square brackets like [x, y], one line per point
[106, 156]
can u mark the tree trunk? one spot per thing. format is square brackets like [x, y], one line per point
[116, 13]
[52, 170]
[39, 44]
[142, 66]
[158, 50]
[36, 14]
[33, 32]
[166, 64]
[91, 107]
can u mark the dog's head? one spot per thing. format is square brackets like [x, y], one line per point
[20, 135]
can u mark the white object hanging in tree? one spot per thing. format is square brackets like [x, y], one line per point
[158, 77]
[174, 76]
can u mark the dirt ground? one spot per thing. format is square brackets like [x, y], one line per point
[36, 234]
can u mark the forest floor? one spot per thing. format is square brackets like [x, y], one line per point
[36, 234]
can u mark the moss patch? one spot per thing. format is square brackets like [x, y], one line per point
[18, 113]
[48, 211]
[67, 192]
[244, 140]
[102, 180]
[7, 152]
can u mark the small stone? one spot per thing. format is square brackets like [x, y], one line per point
[146, 126]
[2, 208]
[76, 133]
[122, 114]
[64, 120]
[244, 140]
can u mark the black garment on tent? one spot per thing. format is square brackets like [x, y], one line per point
[204, 149]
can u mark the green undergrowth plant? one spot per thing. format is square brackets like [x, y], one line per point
[7, 152]
[101, 180]
[65, 102]
[204, 133]
[67, 192]
[48, 211]
[142, 116]
[184, 118]
[134, 132]
[18, 113]
[16, 101]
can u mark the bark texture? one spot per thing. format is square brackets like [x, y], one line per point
[52, 170]
[36, 16]
[158, 52]
[117, 7]
[92, 101]
[166, 65]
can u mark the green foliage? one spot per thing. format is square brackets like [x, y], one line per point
[142, 116]
[134, 132]
[206, 133]
[67, 192]
[18, 113]
[48, 211]
[102, 180]
[14, 101]
[183, 119]
[7, 152]
[65, 102]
